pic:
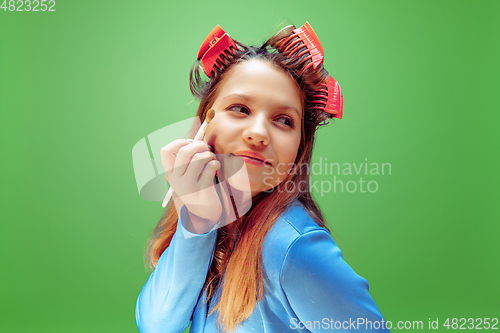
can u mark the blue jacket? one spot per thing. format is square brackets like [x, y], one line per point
[308, 287]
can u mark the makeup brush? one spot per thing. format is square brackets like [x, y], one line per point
[198, 137]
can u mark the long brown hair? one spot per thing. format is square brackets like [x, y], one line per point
[237, 261]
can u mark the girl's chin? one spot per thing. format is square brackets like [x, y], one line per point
[249, 180]
[248, 185]
[241, 182]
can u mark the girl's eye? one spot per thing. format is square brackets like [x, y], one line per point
[286, 121]
[239, 109]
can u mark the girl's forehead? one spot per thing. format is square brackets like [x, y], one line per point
[258, 79]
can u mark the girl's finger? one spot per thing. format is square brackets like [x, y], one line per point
[208, 173]
[185, 154]
[198, 164]
[167, 153]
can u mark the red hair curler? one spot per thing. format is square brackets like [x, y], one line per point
[310, 40]
[329, 93]
[213, 48]
[332, 93]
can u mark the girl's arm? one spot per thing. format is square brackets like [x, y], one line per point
[167, 300]
[321, 287]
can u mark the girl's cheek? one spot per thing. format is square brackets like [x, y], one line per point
[212, 134]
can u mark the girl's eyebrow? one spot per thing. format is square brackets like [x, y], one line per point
[236, 95]
[250, 98]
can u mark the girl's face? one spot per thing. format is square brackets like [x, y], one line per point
[257, 124]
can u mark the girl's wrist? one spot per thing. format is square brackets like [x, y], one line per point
[198, 225]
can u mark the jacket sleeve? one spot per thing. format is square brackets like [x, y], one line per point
[324, 291]
[167, 300]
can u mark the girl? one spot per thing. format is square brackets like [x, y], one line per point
[251, 253]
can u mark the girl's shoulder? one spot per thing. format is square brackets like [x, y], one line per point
[293, 224]
[297, 217]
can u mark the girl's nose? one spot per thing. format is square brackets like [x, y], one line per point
[256, 132]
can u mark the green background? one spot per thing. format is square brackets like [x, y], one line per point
[81, 85]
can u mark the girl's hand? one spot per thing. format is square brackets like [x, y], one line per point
[190, 169]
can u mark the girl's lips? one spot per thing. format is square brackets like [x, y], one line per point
[253, 158]
[253, 161]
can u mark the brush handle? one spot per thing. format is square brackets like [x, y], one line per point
[201, 132]
[168, 197]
